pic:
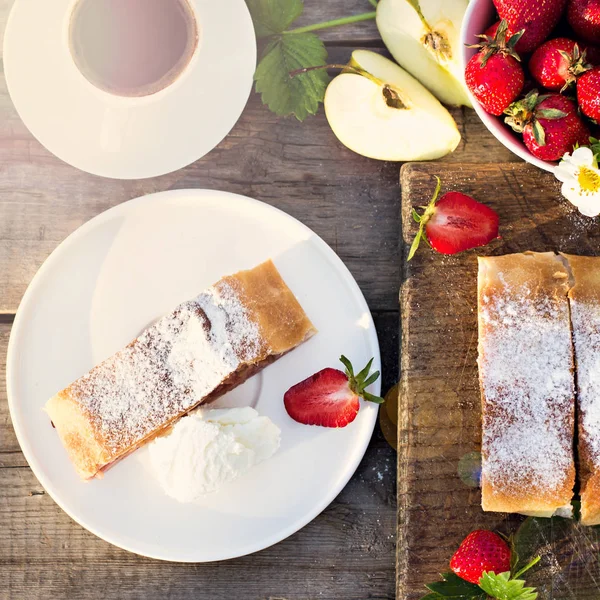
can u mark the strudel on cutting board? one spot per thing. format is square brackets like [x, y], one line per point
[527, 384]
[201, 350]
[584, 298]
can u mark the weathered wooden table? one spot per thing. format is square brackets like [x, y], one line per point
[348, 552]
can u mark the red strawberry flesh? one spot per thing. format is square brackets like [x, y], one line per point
[323, 399]
[459, 223]
[480, 552]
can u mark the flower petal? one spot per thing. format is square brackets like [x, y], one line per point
[583, 156]
[566, 171]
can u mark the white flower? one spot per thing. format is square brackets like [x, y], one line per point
[581, 181]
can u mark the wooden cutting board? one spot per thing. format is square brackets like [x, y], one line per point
[439, 409]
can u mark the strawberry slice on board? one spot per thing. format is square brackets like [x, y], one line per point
[330, 398]
[454, 223]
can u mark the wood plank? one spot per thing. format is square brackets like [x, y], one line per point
[350, 201]
[440, 421]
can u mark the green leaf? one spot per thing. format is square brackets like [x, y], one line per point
[300, 95]
[416, 216]
[363, 374]
[454, 587]
[371, 379]
[432, 596]
[272, 17]
[348, 365]
[551, 113]
[502, 587]
[415, 244]
[538, 133]
[372, 398]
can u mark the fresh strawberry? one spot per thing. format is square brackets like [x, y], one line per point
[550, 124]
[330, 398]
[584, 18]
[481, 552]
[454, 223]
[557, 63]
[588, 94]
[494, 75]
[537, 17]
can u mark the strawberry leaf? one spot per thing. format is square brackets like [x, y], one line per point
[284, 95]
[551, 113]
[361, 376]
[423, 220]
[455, 588]
[348, 365]
[372, 398]
[502, 587]
[538, 133]
[371, 379]
[271, 17]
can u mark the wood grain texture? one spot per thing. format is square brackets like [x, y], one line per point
[440, 421]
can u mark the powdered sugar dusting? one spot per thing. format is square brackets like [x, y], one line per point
[586, 338]
[171, 366]
[525, 365]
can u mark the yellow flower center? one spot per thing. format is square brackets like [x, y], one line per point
[589, 180]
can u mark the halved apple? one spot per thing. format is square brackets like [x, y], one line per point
[380, 111]
[424, 38]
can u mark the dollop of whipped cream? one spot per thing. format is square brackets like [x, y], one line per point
[208, 448]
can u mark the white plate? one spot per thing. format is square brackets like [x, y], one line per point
[128, 138]
[105, 284]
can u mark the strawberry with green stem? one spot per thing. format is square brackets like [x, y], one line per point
[495, 75]
[330, 398]
[453, 223]
[549, 123]
[557, 63]
[483, 567]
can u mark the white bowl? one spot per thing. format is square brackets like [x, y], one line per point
[479, 16]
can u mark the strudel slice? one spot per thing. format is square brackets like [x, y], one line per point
[527, 384]
[585, 319]
[201, 350]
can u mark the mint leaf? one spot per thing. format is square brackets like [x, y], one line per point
[272, 17]
[502, 587]
[455, 588]
[284, 95]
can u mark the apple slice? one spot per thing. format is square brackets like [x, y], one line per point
[424, 38]
[380, 111]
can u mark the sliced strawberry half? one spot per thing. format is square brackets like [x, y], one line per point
[330, 398]
[454, 223]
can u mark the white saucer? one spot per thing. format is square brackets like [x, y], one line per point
[113, 277]
[128, 138]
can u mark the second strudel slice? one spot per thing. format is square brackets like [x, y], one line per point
[584, 298]
[527, 384]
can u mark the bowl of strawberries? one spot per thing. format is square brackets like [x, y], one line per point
[532, 68]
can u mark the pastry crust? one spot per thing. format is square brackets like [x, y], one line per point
[584, 299]
[204, 348]
[527, 385]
